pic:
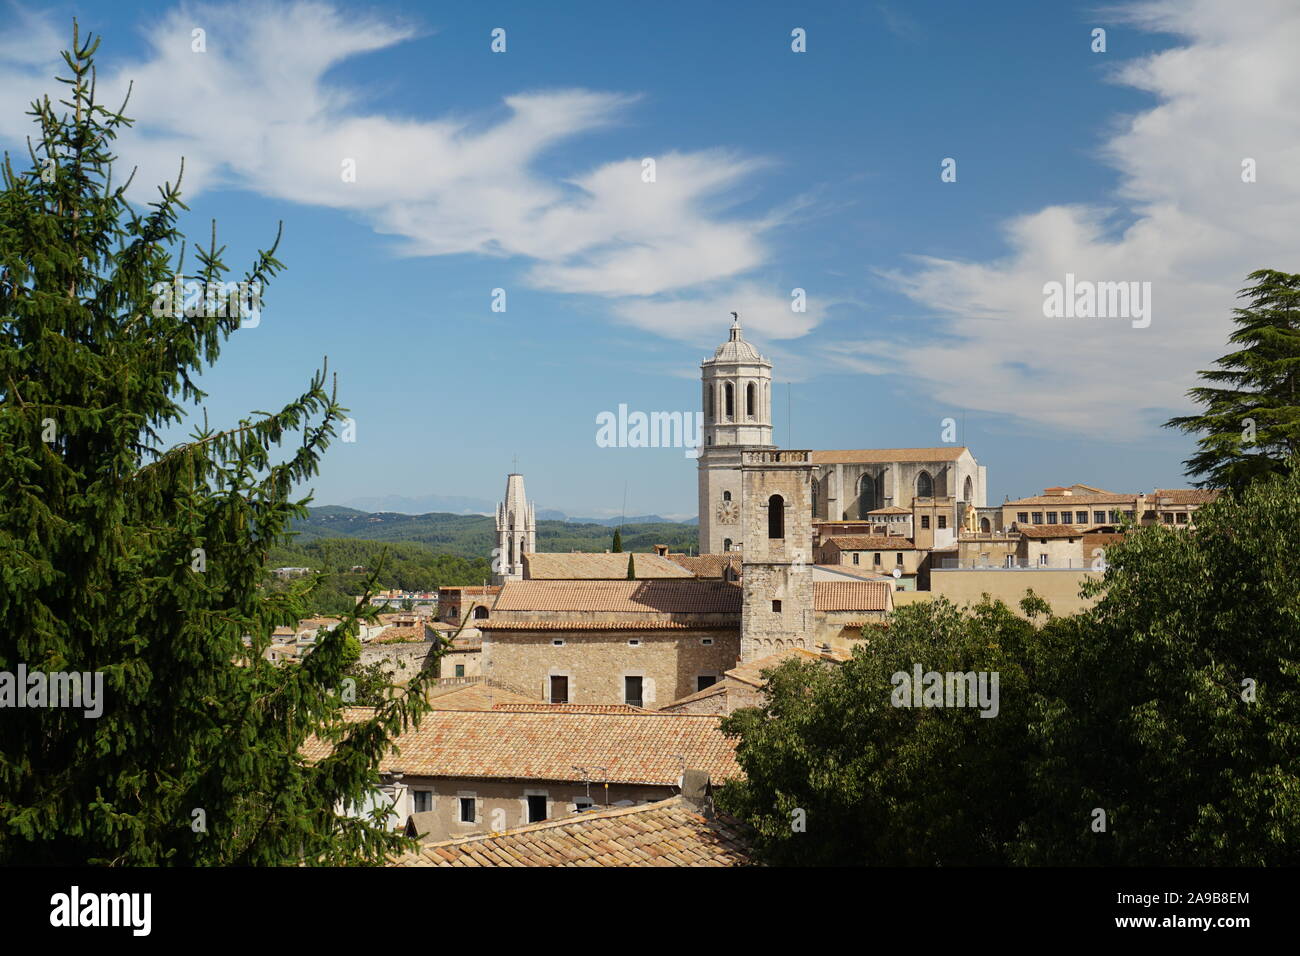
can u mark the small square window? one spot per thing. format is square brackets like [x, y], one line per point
[705, 680]
[1051, 517]
[943, 521]
[1022, 517]
[582, 803]
[422, 800]
[925, 521]
[633, 642]
[558, 642]
[1037, 516]
[776, 607]
[467, 814]
[460, 670]
[1099, 517]
[706, 641]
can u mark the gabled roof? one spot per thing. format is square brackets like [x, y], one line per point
[852, 596]
[1050, 530]
[578, 566]
[707, 565]
[871, 542]
[649, 748]
[539, 707]
[1187, 496]
[687, 595]
[477, 696]
[667, 833]
[869, 456]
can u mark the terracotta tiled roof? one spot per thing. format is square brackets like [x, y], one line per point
[1050, 530]
[883, 455]
[599, 567]
[666, 833]
[544, 708]
[489, 744]
[752, 672]
[490, 625]
[871, 542]
[1186, 496]
[687, 595]
[477, 696]
[719, 687]
[707, 565]
[851, 596]
[858, 571]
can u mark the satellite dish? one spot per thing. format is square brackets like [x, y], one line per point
[898, 572]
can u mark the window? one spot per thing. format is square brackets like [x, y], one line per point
[709, 392]
[729, 401]
[726, 544]
[924, 485]
[706, 641]
[582, 803]
[1051, 517]
[1037, 516]
[705, 680]
[1181, 517]
[1011, 560]
[750, 404]
[898, 559]
[726, 496]
[467, 814]
[969, 490]
[866, 496]
[776, 517]
[1114, 517]
[1042, 559]
[943, 521]
[1169, 519]
[632, 691]
[422, 800]
[480, 612]
[876, 559]
[776, 607]
[1081, 517]
[634, 642]
[559, 689]
[855, 557]
[460, 670]
[558, 642]
[1099, 517]
[536, 807]
[1022, 517]
[925, 521]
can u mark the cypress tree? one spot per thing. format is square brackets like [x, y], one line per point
[618, 541]
[631, 569]
[1251, 424]
[142, 563]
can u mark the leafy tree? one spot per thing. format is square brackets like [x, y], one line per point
[1172, 706]
[142, 564]
[1251, 423]
[836, 774]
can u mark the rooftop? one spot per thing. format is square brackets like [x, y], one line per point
[686, 595]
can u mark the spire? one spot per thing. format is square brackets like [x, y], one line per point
[735, 328]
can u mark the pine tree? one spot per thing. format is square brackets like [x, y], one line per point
[143, 564]
[1251, 424]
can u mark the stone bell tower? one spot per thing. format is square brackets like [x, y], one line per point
[776, 570]
[737, 400]
[516, 531]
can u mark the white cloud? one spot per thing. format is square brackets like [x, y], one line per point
[255, 112]
[1225, 94]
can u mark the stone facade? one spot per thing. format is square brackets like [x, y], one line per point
[516, 531]
[594, 665]
[776, 578]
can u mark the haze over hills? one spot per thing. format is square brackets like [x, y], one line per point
[462, 505]
[474, 535]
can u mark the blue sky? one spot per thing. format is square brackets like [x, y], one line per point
[774, 170]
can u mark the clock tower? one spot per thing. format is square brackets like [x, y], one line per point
[737, 397]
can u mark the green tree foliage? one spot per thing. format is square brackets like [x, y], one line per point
[1173, 705]
[631, 568]
[618, 541]
[142, 563]
[1251, 423]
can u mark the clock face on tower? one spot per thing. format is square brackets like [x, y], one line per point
[728, 512]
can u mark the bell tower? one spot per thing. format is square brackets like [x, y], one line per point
[516, 531]
[736, 392]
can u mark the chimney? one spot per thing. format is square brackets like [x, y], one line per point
[661, 550]
[695, 791]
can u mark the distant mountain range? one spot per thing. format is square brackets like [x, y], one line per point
[474, 535]
[460, 505]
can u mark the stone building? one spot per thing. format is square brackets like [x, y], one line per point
[516, 531]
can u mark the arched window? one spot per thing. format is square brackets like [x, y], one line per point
[521, 549]
[729, 401]
[924, 485]
[968, 490]
[750, 404]
[709, 398]
[726, 544]
[776, 517]
[866, 496]
[480, 613]
[814, 498]
[726, 496]
[510, 551]
[985, 526]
